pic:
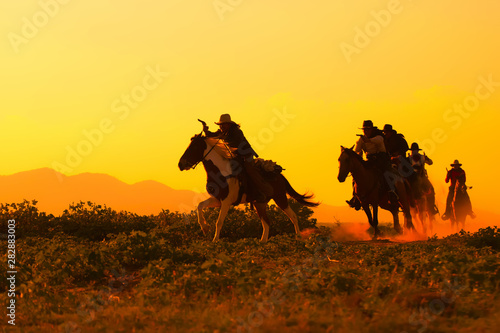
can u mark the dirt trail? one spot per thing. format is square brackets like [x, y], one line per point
[361, 232]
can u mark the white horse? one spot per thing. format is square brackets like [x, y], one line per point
[224, 184]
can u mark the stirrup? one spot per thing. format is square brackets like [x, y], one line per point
[354, 203]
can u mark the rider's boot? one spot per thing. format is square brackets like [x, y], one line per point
[354, 203]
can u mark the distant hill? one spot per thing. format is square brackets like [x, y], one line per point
[55, 191]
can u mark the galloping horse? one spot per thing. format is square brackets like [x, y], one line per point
[460, 204]
[368, 190]
[423, 192]
[225, 186]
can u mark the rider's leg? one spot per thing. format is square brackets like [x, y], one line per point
[354, 202]
[263, 190]
[432, 200]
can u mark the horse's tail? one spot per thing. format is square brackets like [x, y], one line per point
[300, 198]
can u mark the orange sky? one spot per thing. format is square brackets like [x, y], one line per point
[142, 72]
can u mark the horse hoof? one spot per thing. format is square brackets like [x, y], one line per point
[399, 230]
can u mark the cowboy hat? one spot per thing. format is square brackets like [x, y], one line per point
[456, 163]
[414, 146]
[367, 124]
[224, 119]
[387, 128]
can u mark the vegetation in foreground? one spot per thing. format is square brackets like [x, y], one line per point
[97, 270]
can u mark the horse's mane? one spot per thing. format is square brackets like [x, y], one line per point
[220, 148]
[355, 155]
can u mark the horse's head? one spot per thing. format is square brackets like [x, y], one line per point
[460, 184]
[345, 163]
[193, 153]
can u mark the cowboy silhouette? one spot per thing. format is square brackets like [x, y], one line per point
[233, 137]
[372, 144]
[452, 176]
[395, 143]
[418, 162]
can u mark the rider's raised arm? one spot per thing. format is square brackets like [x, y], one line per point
[212, 134]
[359, 145]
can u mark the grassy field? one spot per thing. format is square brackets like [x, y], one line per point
[96, 270]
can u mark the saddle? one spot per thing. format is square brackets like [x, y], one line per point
[267, 168]
[268, 171]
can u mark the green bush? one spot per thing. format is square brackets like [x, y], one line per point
[489, 236]
[29, 221]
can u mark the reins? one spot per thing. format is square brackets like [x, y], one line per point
[225, 145]
[196, 164]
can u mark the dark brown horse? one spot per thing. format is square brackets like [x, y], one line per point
[225, 177]
[368, 190]
[461, 206]
[423, 193]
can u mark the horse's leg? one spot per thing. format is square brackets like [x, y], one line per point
[224, 208]
[421, 215]
[395, 218]
[408, 220]
[210, 202]
[431, 219]
[283, 204]
[375, 221]
[404, 202]
[416, 213]
[366, 209]
[463, 217]
[261, 211]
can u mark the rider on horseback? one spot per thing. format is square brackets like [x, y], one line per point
[395, 143]
[418, 162]
[453, 175]
[233, 137]
[372, 144]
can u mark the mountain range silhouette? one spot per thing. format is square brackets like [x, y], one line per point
[55, 192]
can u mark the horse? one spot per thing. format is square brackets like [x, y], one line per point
[423, 193]
[367, 189]
[225, 184]
[460, 205]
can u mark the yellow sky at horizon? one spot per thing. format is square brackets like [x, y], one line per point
[263, 59]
